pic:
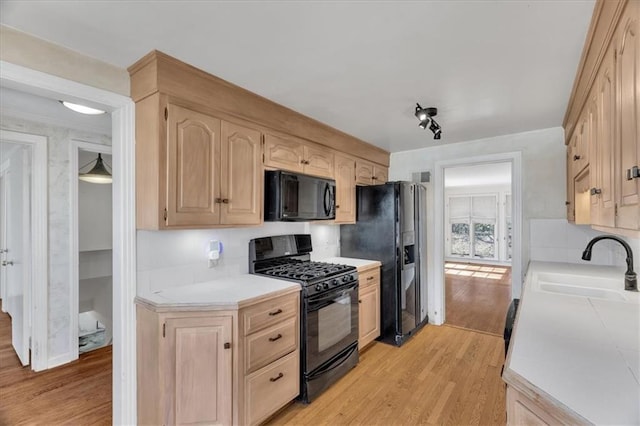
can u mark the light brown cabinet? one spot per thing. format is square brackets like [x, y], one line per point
[368, 173]
[297, 156]
[369, 305]
[218, 367]
[522, 410]
[605, 144]
[628, 89]
[271, 376]
[185, 364]
[213, 174]
[345, 189]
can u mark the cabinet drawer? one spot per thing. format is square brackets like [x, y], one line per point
[369, 277]
[267, 345]
[268, 313]
[271, 388]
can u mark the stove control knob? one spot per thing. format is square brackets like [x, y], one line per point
[346, 278]
[318, 287]
[326, 286]
[334, 282]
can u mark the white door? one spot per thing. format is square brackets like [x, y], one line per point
[17, 259]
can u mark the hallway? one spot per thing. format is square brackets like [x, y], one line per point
[477, 296]
[75, 394]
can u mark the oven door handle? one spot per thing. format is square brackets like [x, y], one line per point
[338, 362]
[332, 295]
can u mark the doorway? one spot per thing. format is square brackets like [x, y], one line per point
[124, 252]
[92, 249]
[478, 245]
[23, 239]
[478, 240]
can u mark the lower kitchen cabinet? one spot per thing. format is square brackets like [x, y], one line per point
[369, 304]
[217, 367]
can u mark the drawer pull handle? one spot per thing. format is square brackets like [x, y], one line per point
[274, 313]
[369, 278]
[278, 377]
[576, 157]
[273, 339]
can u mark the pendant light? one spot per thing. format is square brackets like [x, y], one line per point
[98, 174]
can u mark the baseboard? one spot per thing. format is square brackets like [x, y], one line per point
[59, 360]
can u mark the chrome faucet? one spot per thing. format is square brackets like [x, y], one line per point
[630, 278]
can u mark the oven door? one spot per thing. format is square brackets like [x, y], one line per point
[331, 324]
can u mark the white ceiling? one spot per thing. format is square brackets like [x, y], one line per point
[31, 107]
[491, 67]
[478, 175]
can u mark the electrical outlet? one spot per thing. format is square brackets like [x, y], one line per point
[214, 253]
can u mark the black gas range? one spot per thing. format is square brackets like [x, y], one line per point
[329, 307]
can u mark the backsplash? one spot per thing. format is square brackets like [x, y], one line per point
[557, 240]
[175, 258]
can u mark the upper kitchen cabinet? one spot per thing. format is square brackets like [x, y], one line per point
[288, 153]
[601, 123]
[345, 189]
[628, 89]
[202, 144]
[242, 175]
[368, 173]
[206, 172]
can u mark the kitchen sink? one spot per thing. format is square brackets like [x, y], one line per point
[571, 290]
[581, 285]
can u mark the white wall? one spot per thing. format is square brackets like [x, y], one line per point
[59, 140]
[175, 258]
[543, 186]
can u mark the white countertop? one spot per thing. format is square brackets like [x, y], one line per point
[582, 351]
[227, 293]
[358, 263]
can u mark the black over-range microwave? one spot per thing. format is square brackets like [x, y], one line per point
[297, 197]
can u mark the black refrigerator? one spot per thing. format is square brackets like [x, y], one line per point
[390, 227]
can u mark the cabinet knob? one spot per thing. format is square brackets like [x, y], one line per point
[374, 178]
[359, 301]
[7, 263]
[227, 345]
[567, 203]
[596, 191]
[4, 251]
[337, 206]
[576, 157]
[225, 201]
[218, 200]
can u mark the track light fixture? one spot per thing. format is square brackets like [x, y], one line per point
[425, 115]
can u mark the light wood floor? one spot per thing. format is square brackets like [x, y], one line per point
[441, 376]
[78, 393]
[477, 296]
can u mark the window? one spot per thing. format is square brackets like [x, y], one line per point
[472, 226]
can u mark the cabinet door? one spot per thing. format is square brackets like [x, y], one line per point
[283, 153]
[594, 169]
[193, 168]
[604, 144]
[318, 162]
[628, 89]
[570, 191]
[345, 189]
[380, 175]
[199, 386]
[364, 173]
[242, 176]
[369, 314]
